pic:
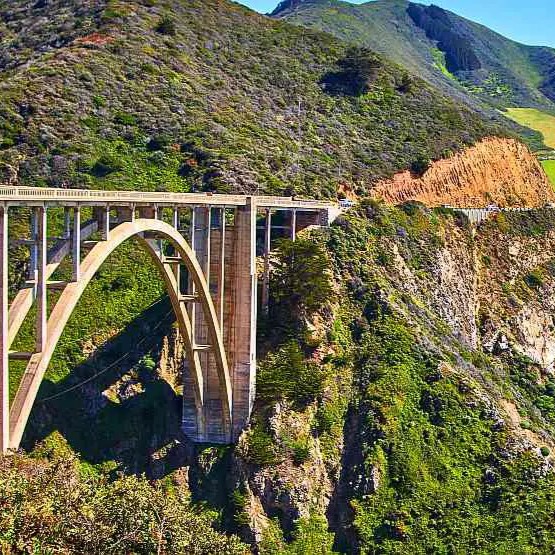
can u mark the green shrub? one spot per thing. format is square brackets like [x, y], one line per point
[239, 505]
[359, 69]
[301, 283]
[106, 165]
[300, 450]
[421, 165]
[125, 118]
[545, 451]
[50, 506]
[287, 375]
[99, 101]
[261, 449]
[166, 26]
[534, 279]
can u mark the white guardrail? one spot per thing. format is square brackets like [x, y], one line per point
[39, 194]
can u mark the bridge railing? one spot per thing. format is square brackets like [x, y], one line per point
[290, 202]
[28, 194]
[74, 195]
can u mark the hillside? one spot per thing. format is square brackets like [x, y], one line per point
[499, 171]
[463, 59]
[205, 95]
[408, 407]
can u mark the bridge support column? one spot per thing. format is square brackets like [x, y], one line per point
[267, 248]
[67, 223]
[242, 319]
[4, 375]
[76, 244]
[208, 258]
[293, 224]
[102, 215]
[42, 299]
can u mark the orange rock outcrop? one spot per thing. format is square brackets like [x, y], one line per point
[496, 170]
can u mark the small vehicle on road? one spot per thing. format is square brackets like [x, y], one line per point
[346, 203]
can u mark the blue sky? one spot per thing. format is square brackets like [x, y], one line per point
[529, 21]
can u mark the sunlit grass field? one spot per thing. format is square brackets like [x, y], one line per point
[537, 120]
[542, 122]
[549, 167]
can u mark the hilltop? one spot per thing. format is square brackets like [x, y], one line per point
[462, 58]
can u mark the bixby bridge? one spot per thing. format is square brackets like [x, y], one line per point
[205, 248]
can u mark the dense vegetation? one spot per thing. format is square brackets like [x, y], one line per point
[376, 427]
[203, 95]
[52, 504]
[429, 463]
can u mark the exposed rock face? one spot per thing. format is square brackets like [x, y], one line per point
[511, 313]
[496, 170]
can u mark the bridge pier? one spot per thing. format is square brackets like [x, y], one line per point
[242, 314]
[4, 374]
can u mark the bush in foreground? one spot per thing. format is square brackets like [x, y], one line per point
[52, 506]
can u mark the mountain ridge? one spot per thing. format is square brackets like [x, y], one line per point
[427, 40]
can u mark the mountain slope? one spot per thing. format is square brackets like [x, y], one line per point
[396, 407]
[202, 94]
[462, 58]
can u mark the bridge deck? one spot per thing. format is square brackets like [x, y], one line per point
[27, 196]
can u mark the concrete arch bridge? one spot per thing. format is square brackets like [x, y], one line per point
[204, 247]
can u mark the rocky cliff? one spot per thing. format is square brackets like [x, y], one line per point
[451, 359]
[500, 171]
[413, 412]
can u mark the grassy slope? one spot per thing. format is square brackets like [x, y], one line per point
[549, 167]
[542, 122]
[536, 119]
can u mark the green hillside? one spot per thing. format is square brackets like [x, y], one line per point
[378, 424]
[463, 59]
[205, 95]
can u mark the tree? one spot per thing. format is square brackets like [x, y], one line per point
[359, 68]
[301, 282]
[50, 505]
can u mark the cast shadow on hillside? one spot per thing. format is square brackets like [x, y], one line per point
[127, 414]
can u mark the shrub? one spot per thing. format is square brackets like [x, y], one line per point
[50, 506]
[421, 165]
[106, 165]
[124, 118]
[301, 282]
[534, 279]
[99, 101]
[300, 451]
[166, 26]
[286, 375]
[239, 504]
[406, 85]
[260, 447]
[545, 451]
[359, 68]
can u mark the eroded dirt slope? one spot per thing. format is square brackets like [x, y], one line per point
[502, 171]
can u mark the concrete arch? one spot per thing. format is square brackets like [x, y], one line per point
[36, 368]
